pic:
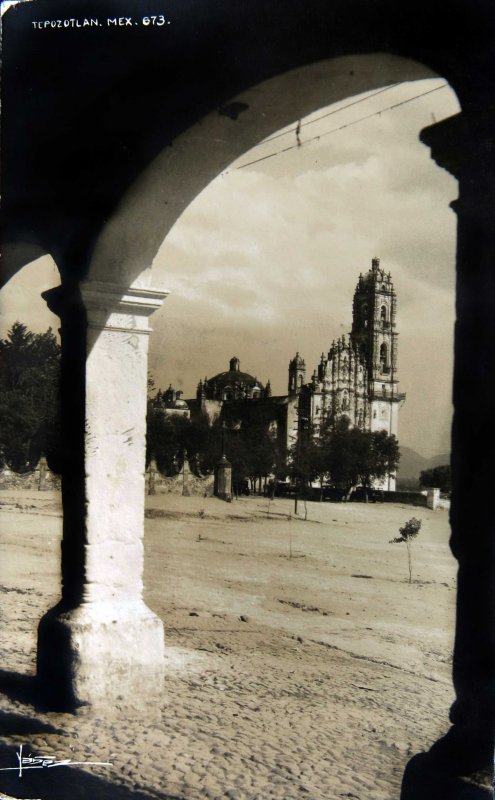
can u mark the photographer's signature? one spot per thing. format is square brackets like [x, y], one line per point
[47, 762]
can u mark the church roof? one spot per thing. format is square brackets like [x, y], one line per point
[375, 274]
[233, 376]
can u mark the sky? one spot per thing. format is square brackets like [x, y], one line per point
[264, 262]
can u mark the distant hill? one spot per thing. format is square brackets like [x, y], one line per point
[412, 463]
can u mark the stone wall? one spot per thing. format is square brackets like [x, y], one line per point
[428, 499]
[185, 483]
[409, 498]
[42, 479]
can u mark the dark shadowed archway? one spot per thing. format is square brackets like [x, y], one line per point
[94, 151]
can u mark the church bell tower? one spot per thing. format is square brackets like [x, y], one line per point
[374, 336]
[297, 375]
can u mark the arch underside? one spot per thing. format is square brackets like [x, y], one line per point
[129, 242]
[97, 171]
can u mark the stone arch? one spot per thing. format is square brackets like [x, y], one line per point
[120, 271]
[113, 305]
[130, 240]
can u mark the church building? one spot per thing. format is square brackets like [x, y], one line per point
[356, 378]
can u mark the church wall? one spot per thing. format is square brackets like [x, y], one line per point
[292, 421]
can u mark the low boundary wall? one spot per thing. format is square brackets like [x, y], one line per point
[41, 479]
[186, 483]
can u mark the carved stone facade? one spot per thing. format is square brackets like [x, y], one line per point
[357, 378]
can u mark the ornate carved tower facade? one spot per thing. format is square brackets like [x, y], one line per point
[374, 336]
[357, 378]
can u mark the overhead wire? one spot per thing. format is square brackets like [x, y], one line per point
[329, 113]
[340, 128]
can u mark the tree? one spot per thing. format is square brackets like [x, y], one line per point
[342, 452]
[29, 399]
[168, 437]
[351, 456]
[306, 463]
[250, 444]
[408, 533]
[383, 459]
[438, 477]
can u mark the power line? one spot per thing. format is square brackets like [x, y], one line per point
[330, 113]
[342, 127]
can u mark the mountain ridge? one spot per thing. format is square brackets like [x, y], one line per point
[412, 463]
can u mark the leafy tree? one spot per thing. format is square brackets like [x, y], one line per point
[438, 477]
[341, 447]
[165, 439]
[306, 463]
[250, 445]
[170, 438]
[382, 457]
[202, 445]
[408, 533]
[351, 456]
[29, 398]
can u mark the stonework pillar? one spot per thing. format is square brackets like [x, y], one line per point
[102, 642]
[464, 146]
[223, 480]
[432, 498]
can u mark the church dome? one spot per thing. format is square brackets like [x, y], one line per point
[232, 384]
[180, 404]
[298, 361]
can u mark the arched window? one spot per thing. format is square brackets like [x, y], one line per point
[383, 313]
[383, 355]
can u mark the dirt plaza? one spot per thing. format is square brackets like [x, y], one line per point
[300, 660]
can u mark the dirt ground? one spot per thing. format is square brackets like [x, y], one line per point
[301, 663]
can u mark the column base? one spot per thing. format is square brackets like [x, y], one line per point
[101, 654]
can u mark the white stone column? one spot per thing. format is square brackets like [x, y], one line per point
[110, 644]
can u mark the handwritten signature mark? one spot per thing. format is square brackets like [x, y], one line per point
[42, 762]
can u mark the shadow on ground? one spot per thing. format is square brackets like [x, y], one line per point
[22, 688]
[452, 769]
[61, 783]
[12, 724]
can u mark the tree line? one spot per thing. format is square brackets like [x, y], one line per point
[241, 433]
[29, 399]
[247, 433]
[341, 455]
[344, 456]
